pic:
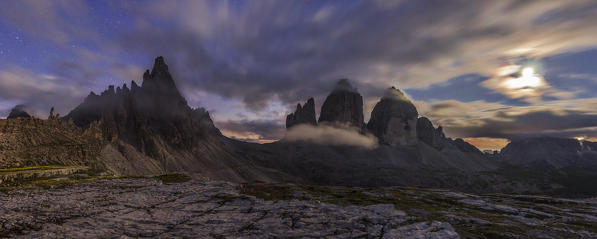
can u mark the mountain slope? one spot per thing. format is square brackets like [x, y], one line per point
[32, 142]
[154, 120]
[549, 152]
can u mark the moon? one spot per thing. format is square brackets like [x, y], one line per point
[527, 80]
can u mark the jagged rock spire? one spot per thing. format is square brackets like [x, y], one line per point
[159, 81]
[53, 116]
[303, 115]
[343, 105]
[430, 135]
[155, 109]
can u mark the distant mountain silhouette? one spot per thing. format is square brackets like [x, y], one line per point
[18, 112]
[549, 152]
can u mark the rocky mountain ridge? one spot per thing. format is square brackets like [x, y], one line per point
[31, 142]
[304, 114]
[394, 120]
[150, 129]
[153, 125]
[549, 152]
[18, 112]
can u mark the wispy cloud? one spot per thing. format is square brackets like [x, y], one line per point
[259, 52]
[483, 119]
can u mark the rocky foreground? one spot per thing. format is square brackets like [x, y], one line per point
[146, 207]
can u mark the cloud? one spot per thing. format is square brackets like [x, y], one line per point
[257, 131]
[54, 21]
[484, 143]
[39, 92]
[331, 135]
[267, 50]
[70, 82]
[260, 52]
[484, 119]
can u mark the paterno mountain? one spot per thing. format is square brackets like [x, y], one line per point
[150, 129]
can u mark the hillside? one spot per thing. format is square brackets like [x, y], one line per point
[153, 125]
[32, 142]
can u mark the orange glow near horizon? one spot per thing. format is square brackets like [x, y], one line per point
[485, 143]
[247, 136]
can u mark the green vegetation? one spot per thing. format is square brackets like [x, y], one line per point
[82, 176]
[173, 178]
[33, 169]
[27, 181]
[48, 182]
[469, 221]
[60, 182]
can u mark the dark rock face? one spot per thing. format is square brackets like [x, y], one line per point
[155, 119]
[436, 138]
[394, 119]
[18, 112]
[343, 105]
[425, 130]
[430, 135]
[549, 152]
[303, 115]
[155, 108]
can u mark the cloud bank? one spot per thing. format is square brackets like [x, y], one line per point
[331, 135]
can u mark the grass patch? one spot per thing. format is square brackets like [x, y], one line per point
[268, 192]
[425, 205]
[33, 169]
[58, 182]
[173, 178]
[47, 182]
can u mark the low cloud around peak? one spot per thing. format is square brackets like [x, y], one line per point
[327, 134]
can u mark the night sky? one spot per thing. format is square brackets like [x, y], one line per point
[487, 71]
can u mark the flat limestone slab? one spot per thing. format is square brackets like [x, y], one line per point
[147, 208]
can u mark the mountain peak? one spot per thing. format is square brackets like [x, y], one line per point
[394, 118]
[304, 114]
[394, 93]
[159, 81]
[343, 105]
[19, 111]
[159, 66]
[159, 73]
[344, 85]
